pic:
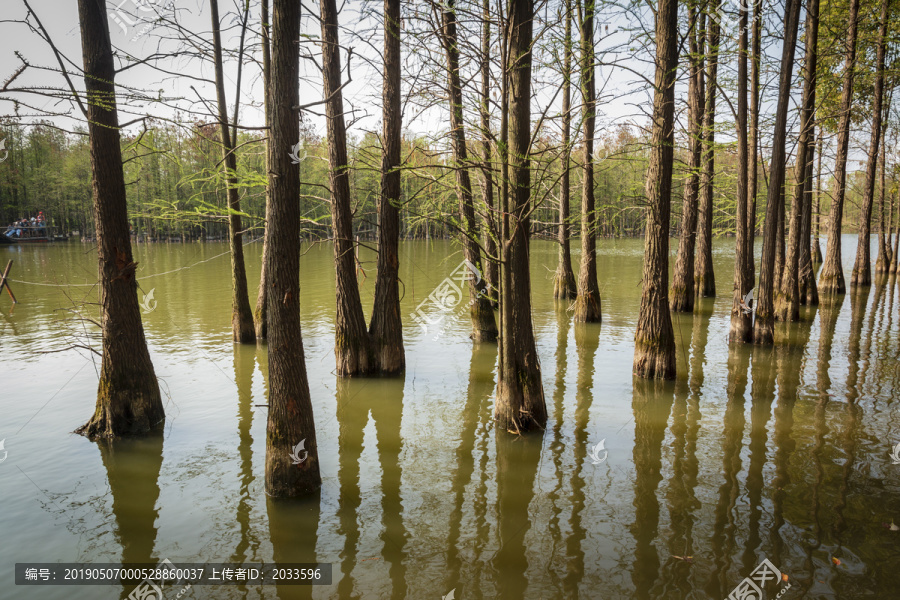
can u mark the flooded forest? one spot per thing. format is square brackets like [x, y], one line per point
[461, 299]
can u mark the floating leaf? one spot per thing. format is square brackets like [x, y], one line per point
[836, 561]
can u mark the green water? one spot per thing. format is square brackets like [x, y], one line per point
[779, 453]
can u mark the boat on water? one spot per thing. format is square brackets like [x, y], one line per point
[38, 234]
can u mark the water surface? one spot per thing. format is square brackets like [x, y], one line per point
[766, 453]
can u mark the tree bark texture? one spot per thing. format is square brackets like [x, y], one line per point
[242, 329]
[831, 279]
[862, 268]
[654, 339]
[491, 262]
[882, 263]
[895, 255]
[787, 300]
[587, 302]
[352, 347]
[741, 321]
[386, 327]
[290, 420]
[753, 140]
[484, 325]
[816, 249]
[809, 290]
[704, 276]
[764, 326]
[259, 316]
[520, 404]
[683, 280]
[128, 399]
[564, 287]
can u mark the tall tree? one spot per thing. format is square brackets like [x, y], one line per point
[654, 339]
[809, 291]
[862, 269]
[883, 262]
[242, 330]
[484, 325]
[386, 328]
[753, 138]
[491, 264]
[520, 404]
[764, 326]
[704, 276]
[787, 301]
[261, 304]
[816, 249]
[564, 281]
[587, 301]
[290, 419]
[128, 400]
[741, 320]
[352, 347]
[831, 279]
[683, 283]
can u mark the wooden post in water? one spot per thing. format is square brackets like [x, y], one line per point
[5, 283]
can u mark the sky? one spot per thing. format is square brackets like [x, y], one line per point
[134, 33]
[623, 96]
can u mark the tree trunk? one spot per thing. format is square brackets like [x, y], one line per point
[862, 270]
[352, 347]
[520, 405]
[780, 235]
[128, 400]
[683, 281]
[564, 281]
[290, 420]
[831, 280]
[816, 249]
[491, 262]
[764, 326]
[787, 302]
[261, 304]
[753, 140]
[882, 263]
[809, 291]
[242, 330]
[704, 276]
[895, 255]
[587, 302]
[484, 325]
[741, 320]
[386, 328]
[654, 339]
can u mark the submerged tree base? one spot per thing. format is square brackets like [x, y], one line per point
[390, 358]
[787, 307]
[564, 287]
[816, 252]
[136, 410]
[354, 359]
[484, 325]
[520, 407]
[861, 277]
[587, 308]
[654, 358]
[682, 299]
[704, 286]
[831, 283]
[285, 478]
[764, 330]
[242, 327]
